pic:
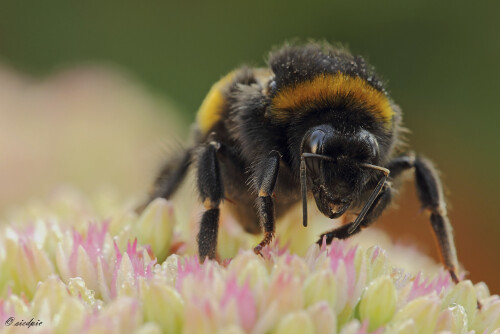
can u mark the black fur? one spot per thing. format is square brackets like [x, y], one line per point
[428, 185]
[265, 208]
[209, 179]
[267, 173]
[295, 64]
[211, 193]
[171, 175]
[207, 236]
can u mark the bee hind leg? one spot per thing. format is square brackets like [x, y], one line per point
[168, 180]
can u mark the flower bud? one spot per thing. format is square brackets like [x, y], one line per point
[249, 268]
[377, 258]
[85, 268]
[323, 318]
[423, 311]
[123, 313]
[453, 319]
[378, 302]
[404, 327]
[163, 305]
[489, 316]
[462, 294]
[149, 328]
[353, 327]
[320, 286]
[125, 278]
[295, 323]
[28, 264]
[49, 296]
[155, 227]
[71, 316]
[231, 330]
[482, 290]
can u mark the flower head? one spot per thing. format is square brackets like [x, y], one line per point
[100, 276]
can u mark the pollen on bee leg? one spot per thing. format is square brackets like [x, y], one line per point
[440, 210]
[215, 144]
[208, 204]
[263, 193]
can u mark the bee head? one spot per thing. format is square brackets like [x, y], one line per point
[332, 163]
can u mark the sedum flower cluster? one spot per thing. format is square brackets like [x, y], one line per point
[66, 269]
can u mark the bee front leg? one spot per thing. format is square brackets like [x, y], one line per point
[396, 166]
[265, 177]
[211, 191]
[379, 205]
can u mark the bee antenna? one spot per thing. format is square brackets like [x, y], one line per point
[379, 168]
[303, 180]
[303, 185]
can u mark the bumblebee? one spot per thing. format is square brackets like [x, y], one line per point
[318, 121]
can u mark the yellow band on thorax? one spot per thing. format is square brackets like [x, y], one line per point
[305, 95]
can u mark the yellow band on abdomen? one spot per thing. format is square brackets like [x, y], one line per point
[211, 107]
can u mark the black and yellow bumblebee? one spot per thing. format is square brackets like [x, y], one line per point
[317, 121]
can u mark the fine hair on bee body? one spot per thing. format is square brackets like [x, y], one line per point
[316, 121]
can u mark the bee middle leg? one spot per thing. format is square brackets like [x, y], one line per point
[211, 191]
[265, 177]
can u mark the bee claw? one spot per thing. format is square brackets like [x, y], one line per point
[257, 250]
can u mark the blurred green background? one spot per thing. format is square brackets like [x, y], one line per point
[440, 59]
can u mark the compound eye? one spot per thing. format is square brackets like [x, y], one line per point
[373, 143]
[314, 144]
[372, 148]
[316, 141]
